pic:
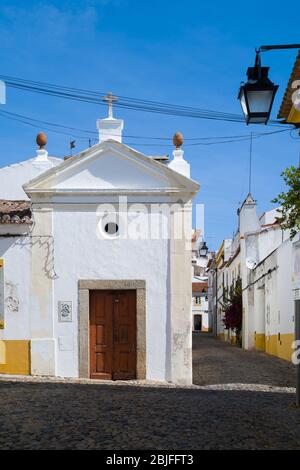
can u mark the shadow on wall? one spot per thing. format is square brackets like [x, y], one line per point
[5, 244]
[28, 242]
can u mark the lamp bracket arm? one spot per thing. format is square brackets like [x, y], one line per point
[277, 47]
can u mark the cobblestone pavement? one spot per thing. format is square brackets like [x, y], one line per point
[73, 415]
[219, 362]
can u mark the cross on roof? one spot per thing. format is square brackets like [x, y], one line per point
[110, 98]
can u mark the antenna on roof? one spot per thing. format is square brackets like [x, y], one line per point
[250, 163]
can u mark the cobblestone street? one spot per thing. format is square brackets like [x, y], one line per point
[219, 362]
[71, 415]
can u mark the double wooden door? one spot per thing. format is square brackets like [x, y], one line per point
[113, 335]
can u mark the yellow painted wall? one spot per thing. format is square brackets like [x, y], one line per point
[260, 341]
[280, 348]
[15, 357]
[294, 116]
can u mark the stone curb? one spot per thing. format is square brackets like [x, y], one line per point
[148, 383]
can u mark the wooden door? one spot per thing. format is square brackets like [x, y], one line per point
[101, 335]
[124, 335]
[113, 334]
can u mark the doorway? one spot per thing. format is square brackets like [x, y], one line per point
[197, 322]
[113, 334]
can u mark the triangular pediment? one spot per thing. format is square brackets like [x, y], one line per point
[110, 167]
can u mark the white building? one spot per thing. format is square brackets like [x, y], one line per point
[202, 320]
[268, 263]
[95, 267]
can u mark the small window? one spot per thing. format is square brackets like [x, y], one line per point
[111, 228]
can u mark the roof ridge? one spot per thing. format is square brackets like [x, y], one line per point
[88, 152]
[23, 162]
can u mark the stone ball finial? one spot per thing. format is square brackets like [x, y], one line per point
[178, 139]
[41, 140]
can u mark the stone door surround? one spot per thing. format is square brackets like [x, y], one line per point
[84, 287]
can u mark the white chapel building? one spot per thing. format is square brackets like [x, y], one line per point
[95, 263]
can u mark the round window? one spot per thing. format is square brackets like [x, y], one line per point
[111, 228]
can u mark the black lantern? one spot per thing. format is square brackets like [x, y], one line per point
[257, 95]
[203, 250]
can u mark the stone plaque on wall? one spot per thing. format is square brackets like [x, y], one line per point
[64, 311]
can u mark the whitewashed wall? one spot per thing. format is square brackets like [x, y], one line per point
[12, 177]
[80, 254]
[16, 252]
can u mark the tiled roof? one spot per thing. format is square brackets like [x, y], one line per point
[286, 104]
[199, 286]
[15, 212]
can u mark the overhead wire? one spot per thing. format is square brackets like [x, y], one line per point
[89, 96]
[195, 141]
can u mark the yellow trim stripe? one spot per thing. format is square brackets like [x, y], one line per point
[15, 357]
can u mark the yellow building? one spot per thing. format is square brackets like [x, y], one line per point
[227, 271]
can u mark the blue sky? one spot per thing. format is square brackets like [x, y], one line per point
[190, 53]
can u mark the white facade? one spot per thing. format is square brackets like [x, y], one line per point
[201, 320]
[12, 177]
[66, 246]
[265, 259]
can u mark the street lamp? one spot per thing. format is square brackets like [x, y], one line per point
[257, 94]
[203, 250]
[257, 97]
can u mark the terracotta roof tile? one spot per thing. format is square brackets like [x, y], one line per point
[15, 212]
[199, 286]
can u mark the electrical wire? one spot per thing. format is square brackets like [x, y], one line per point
[88, 96]
[195, 141]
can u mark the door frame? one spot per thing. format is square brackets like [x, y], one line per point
[113, 345]
[84, 287]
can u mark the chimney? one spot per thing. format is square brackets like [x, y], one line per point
[178, 163]
[110, 128]
[248, 219]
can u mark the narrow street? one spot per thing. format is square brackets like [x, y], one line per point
[72, 415]
[219, 362]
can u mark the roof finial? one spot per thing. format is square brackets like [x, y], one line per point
[42, 154]
[178, 163]
[110, 98]
[178, 140]
[41, 140]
